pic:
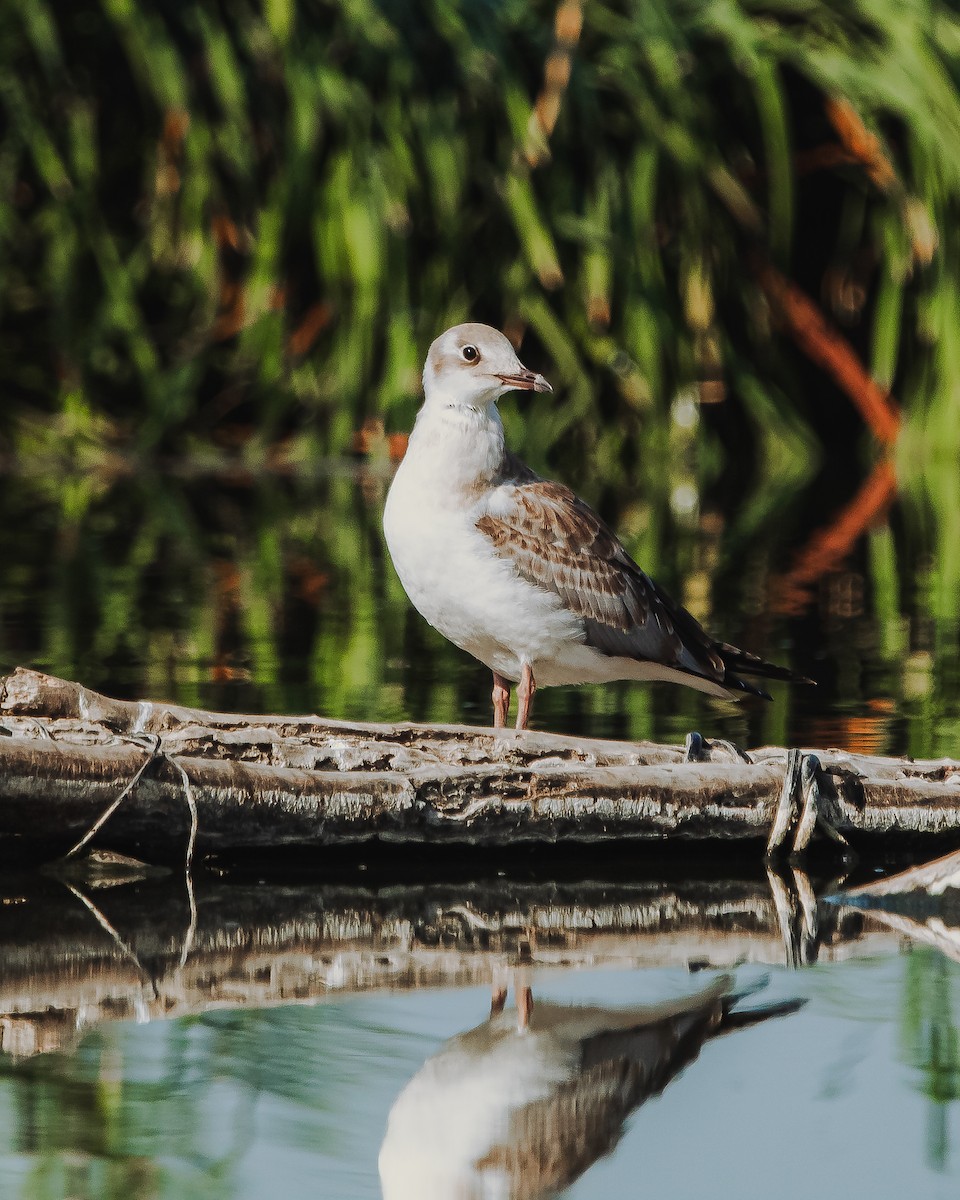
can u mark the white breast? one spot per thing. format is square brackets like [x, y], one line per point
[448, 568]
[457, 1108]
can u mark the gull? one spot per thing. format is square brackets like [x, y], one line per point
[520, 1106]
[518, 570]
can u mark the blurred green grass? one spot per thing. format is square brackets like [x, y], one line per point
[235, 224]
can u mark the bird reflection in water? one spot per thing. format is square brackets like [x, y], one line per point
[520, 1106]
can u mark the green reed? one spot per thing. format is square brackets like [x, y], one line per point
[244, 224]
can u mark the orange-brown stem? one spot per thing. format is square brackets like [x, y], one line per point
[829, 349]
[828, 547]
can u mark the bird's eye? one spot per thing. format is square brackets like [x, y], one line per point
[470, 354]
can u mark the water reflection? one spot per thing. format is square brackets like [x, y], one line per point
[273, 593]
[256, 1036]
[248, 1104]
[77, 953]
[249, 1038]
[520, 1106]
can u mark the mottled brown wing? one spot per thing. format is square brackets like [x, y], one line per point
[549, 1143]
[556, 541]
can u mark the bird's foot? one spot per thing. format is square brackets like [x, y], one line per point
[698, 749]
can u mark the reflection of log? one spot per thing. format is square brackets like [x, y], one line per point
[922, 903]
[930, 880]
[73, 954]
[263, 783]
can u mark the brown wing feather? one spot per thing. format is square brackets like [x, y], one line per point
[555, 540]
[550, 1142]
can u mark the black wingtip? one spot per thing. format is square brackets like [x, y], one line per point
[736, 684]
[739, 662]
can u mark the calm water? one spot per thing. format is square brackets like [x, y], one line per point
[274, 592]
[248, 1037]
[231, 1104]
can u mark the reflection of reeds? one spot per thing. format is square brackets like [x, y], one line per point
[261, 223]
[931, 1042]
[274, 592]
[828, 548]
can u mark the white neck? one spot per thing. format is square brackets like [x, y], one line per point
[460, 445]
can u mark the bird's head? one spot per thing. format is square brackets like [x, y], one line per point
[473, 366]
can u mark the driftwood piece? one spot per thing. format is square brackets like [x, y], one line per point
[260, 783]
[930, 881]
[922, 903]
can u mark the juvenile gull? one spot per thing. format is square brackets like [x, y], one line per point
[517, 570]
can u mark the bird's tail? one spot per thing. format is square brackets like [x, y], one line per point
[739, 662]
[742, 1018]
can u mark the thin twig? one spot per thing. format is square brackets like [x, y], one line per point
[188, 862]
[105, 816]
[194, 821]
[114, 805]
[105, 925]
[190, 936]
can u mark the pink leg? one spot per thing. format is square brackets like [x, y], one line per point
[525, 693]
[501, 700]
[524, 1007]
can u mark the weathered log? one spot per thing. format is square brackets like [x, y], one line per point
[68, 711]
[260, 783]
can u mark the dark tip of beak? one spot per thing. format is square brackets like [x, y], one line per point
[526, 381]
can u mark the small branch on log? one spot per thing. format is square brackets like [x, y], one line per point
[114, 805]
[801, 808]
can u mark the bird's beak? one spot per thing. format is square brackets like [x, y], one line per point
[526, 381]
